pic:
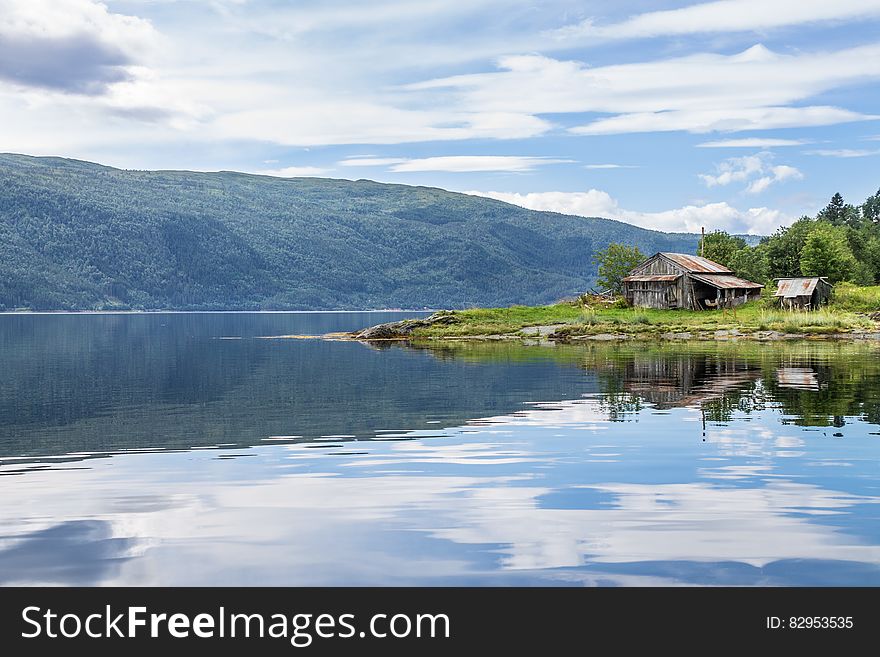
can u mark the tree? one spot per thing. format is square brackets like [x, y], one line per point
[751, 263]
[839, 213]
[826, 252]
[616, 261]
[720, 247]
[871, 208]
[871, 253]
[863, 242]
[784, 247]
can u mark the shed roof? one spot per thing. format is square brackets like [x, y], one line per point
[693, 263]
[790, 288]
[652, 278]
[726, 282]
[802, 378]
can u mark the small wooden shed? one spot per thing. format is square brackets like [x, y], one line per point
[806, 293]
[679, 280]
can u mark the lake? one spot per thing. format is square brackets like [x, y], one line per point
[203, 449]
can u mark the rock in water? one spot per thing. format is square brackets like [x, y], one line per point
[403, 329]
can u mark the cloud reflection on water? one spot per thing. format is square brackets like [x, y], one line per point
[475, 505]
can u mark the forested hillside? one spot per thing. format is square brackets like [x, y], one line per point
[76, 235]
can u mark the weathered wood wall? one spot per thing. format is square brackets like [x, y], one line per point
[660, 294]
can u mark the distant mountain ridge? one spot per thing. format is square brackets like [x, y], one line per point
[78, 236]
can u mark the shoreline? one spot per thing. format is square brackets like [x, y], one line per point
[761, 336]
[571, 324]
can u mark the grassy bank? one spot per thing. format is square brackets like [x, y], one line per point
[851, 312]
[857, 299]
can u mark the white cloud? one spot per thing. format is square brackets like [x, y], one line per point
[74, 46]
[370, 161]
[730, 119]
[470, 163]
[725, 16]
[690, 218]
[751, 142]
[592, 203]
[756, 77]
[610, 166]
[294, 172]
[785, 172]
[735, 169]
[454, 163]
[755, 169]
[842, 152]
[704, 92]
[304, 122]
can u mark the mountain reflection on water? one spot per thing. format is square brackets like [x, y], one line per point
[199, 449]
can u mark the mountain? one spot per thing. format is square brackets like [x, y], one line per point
[76, 235]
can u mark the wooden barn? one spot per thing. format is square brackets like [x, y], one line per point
[678, 280]
[806, 293]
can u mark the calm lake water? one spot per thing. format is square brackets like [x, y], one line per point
[196, 449]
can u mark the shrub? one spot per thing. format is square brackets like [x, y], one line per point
[589, 318]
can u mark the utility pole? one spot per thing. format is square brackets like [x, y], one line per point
[702, 240]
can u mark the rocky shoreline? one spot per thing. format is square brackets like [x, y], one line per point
[554, 333]
[403, 329]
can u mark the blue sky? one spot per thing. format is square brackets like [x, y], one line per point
[734, 114]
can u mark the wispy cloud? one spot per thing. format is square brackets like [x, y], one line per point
[757, 170]
[752, 142]
[294, 172]
[842, 152]
[751, 90]
[471, 163]
[339, 120]
[730, 119]
[370, 161]
[723, 16]
[689, 218]
[455, 163]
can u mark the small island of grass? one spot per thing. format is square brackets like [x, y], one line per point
[854, 312]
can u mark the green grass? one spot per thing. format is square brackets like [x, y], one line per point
[575, 319]
[856, 299]
[492, 321]
[817, 321]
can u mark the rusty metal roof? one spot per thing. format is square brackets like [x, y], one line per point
[797, 287]
[652, 278]
[726, 282]
[800, 378]
[692, 263]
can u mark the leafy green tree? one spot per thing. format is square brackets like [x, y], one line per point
[862, 273]
[751, 263]
[784, 247]
[863, 242]
[871, 208]
[826, 252]
[871, 254]
[720, 247]
[616, 261]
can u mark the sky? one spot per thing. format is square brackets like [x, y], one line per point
[738, 115]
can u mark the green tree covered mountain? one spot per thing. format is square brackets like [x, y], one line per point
[76, 235]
